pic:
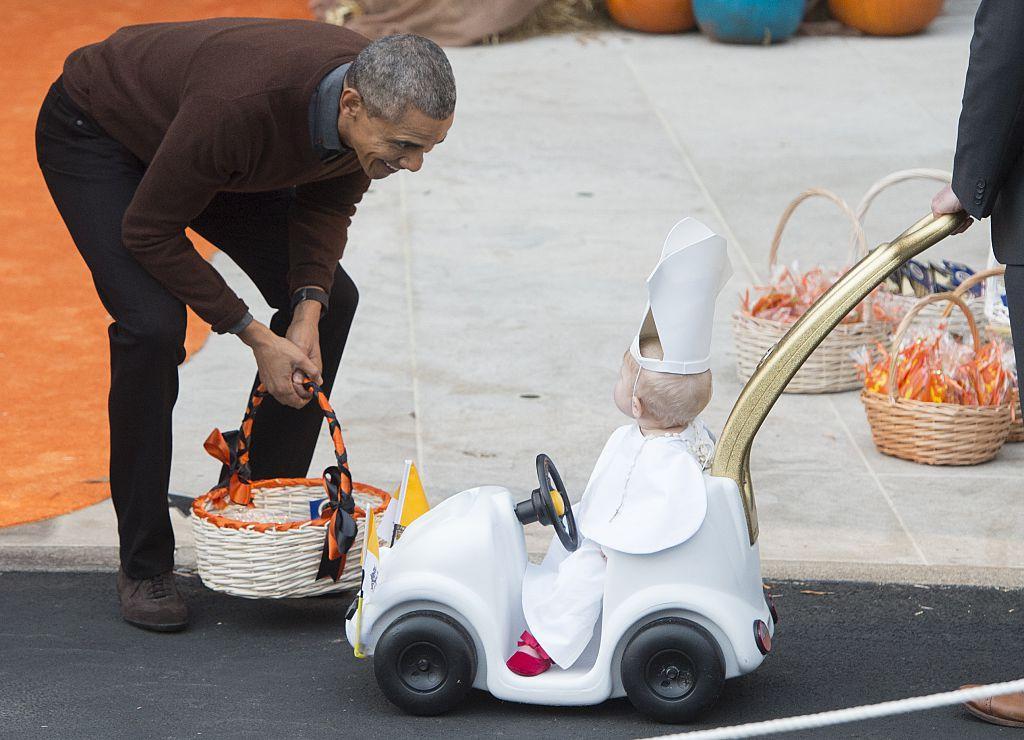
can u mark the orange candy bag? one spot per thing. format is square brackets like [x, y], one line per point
[938, 368]
[791, 292]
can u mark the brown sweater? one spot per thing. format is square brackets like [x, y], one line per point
[217, 105]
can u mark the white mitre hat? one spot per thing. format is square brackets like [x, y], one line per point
[681, 291]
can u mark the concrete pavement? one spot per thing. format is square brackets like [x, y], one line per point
[502, 283]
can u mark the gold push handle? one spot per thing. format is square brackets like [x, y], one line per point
[781, 363]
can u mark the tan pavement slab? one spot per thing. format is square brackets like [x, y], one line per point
[500, 286]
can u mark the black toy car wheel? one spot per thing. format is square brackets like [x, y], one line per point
[425, 663]
[671, 670]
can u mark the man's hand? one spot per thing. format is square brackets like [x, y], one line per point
[304, 333]
[945, 201]
[279, 362]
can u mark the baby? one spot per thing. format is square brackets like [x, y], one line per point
[647, 491]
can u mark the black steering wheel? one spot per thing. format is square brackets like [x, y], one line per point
[549, 505]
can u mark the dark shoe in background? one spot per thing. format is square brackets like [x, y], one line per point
[152, 603]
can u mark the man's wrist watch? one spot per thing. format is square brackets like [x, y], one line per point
[310, 294]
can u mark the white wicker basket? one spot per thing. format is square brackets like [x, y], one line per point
[276, 557]
[257, 539]
[830, 367]
[897, 306]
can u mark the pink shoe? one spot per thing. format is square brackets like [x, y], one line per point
[523, 664]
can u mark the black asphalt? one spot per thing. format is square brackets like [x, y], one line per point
[70, 668]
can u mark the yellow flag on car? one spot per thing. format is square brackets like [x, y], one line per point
[371, 555]
[414, 500]
[410, 504]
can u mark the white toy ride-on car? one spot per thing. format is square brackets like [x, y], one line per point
[675, 624]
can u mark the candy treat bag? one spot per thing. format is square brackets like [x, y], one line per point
[647, 491]
[936, 367]
[790, 292]
[914, 280]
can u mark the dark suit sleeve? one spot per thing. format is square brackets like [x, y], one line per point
[991, 131]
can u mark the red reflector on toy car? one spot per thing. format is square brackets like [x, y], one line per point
[762, 637]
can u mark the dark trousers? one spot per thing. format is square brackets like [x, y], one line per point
[92, 179]
[1014, 280]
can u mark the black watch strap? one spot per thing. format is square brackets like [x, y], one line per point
[242, 324]
[310, 294]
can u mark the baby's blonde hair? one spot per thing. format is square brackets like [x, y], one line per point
[670, 399]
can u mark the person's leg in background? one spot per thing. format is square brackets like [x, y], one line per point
[92, 179]
[252, 229]
[1014, 280]
[1007, 710]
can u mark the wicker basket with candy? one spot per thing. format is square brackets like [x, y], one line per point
[998, 328]
[1016, 434]
[767, 312]
[915, 279]
[281, 537]
[934, 399]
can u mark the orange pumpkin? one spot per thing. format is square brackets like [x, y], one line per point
[653, 16]
[886, 17]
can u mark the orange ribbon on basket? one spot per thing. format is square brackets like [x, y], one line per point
[218, 447]
[341, 524]
[237, 459]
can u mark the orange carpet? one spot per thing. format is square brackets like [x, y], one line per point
[54, 366]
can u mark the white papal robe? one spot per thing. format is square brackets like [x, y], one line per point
[646, 494]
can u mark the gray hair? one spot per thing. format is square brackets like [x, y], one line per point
[397, 71]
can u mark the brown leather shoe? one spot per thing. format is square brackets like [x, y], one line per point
[1006, 710]
[152, 603]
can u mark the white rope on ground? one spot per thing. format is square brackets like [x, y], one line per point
[853, 714]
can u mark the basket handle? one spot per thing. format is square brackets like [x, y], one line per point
[966, 285]
[860, 246]
[240, 475]
[894, 178]
[897, 337]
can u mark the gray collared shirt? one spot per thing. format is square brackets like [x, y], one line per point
[323, 115]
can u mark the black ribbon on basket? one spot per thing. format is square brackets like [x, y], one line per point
[231, 440]
[341, 527]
